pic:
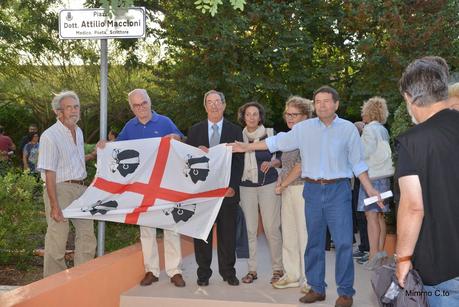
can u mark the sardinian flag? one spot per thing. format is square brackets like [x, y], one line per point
[159, 183]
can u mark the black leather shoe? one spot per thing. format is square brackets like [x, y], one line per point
[203, 282]
[232, 280]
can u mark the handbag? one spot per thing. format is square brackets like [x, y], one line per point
[389, 293]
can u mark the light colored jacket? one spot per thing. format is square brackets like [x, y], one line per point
[376, 151]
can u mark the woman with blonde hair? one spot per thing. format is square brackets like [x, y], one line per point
[290, 184]
[378, 156]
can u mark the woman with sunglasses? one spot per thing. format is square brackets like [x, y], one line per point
[290, 185]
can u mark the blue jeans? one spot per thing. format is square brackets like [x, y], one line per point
[445, 294]
[329, 204]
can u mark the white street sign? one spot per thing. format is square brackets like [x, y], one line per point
[96, 24]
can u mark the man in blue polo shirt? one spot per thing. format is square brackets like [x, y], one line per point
[149, 124]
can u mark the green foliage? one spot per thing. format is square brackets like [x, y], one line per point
[274, 49]
[118, 236]
[90, 165]
[401, 123]
[269, 51]
[260, 54]
[211, 6]
[387, 35]
[22, 221]
[112, 7]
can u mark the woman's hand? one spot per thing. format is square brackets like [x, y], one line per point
[265, 166]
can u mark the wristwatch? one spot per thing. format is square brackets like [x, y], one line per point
[402, 259]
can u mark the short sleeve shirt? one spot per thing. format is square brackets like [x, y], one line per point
[59, 153]
[289, 160]
[430, 150]
[157, 126]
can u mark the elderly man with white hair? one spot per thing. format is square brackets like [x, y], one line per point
[61, 161]
[149, 124]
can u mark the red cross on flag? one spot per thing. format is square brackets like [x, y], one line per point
[159, 183]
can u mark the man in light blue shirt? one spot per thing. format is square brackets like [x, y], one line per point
[331, 153]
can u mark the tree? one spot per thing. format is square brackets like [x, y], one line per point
[387, 35]
[268, 52]
[34, 64]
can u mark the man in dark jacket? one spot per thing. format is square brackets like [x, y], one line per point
[207, 133]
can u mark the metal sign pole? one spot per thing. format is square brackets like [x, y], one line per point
[103, 127]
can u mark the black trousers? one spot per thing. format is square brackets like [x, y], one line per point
[359, 219]
[226, 245]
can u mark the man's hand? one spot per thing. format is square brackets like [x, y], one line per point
[265, 166]
[174, 136]
[239, 146]
[56, 214]
[101, 144]
[204, 148]
[230, 192]
[401, 272]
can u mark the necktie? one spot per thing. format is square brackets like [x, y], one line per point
[215, 137]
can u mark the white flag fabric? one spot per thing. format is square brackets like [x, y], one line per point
[157, 182]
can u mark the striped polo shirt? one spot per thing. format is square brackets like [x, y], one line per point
[59, 153]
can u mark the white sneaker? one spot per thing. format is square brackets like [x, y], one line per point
[284, 283]
[375, 262]
[305, 288]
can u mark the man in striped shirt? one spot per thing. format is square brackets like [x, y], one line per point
[61, 161]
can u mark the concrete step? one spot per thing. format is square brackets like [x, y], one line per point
[258, 294]
[5, 288]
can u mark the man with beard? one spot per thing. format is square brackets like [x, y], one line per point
[61, 161]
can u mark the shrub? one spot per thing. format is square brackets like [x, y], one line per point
[22, 221]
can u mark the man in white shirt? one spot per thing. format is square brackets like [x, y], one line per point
[61, 161]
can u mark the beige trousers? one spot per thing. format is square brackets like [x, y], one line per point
[268, 202]
[294, 235]
[172, 251]
[57, 233]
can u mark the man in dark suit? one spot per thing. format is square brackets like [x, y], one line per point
[205, 134]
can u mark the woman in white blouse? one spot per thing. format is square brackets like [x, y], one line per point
[378, 156]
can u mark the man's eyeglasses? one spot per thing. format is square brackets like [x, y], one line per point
[213, 102]
[292, 115]
[139, 105]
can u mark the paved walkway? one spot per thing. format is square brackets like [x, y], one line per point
[4, 289]
[260, 291]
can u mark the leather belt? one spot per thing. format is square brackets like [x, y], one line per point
[80, 182]
[323, 181]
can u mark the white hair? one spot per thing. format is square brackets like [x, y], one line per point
[141, 91]
[57, 100]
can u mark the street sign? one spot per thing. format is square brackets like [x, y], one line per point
[97, 24]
